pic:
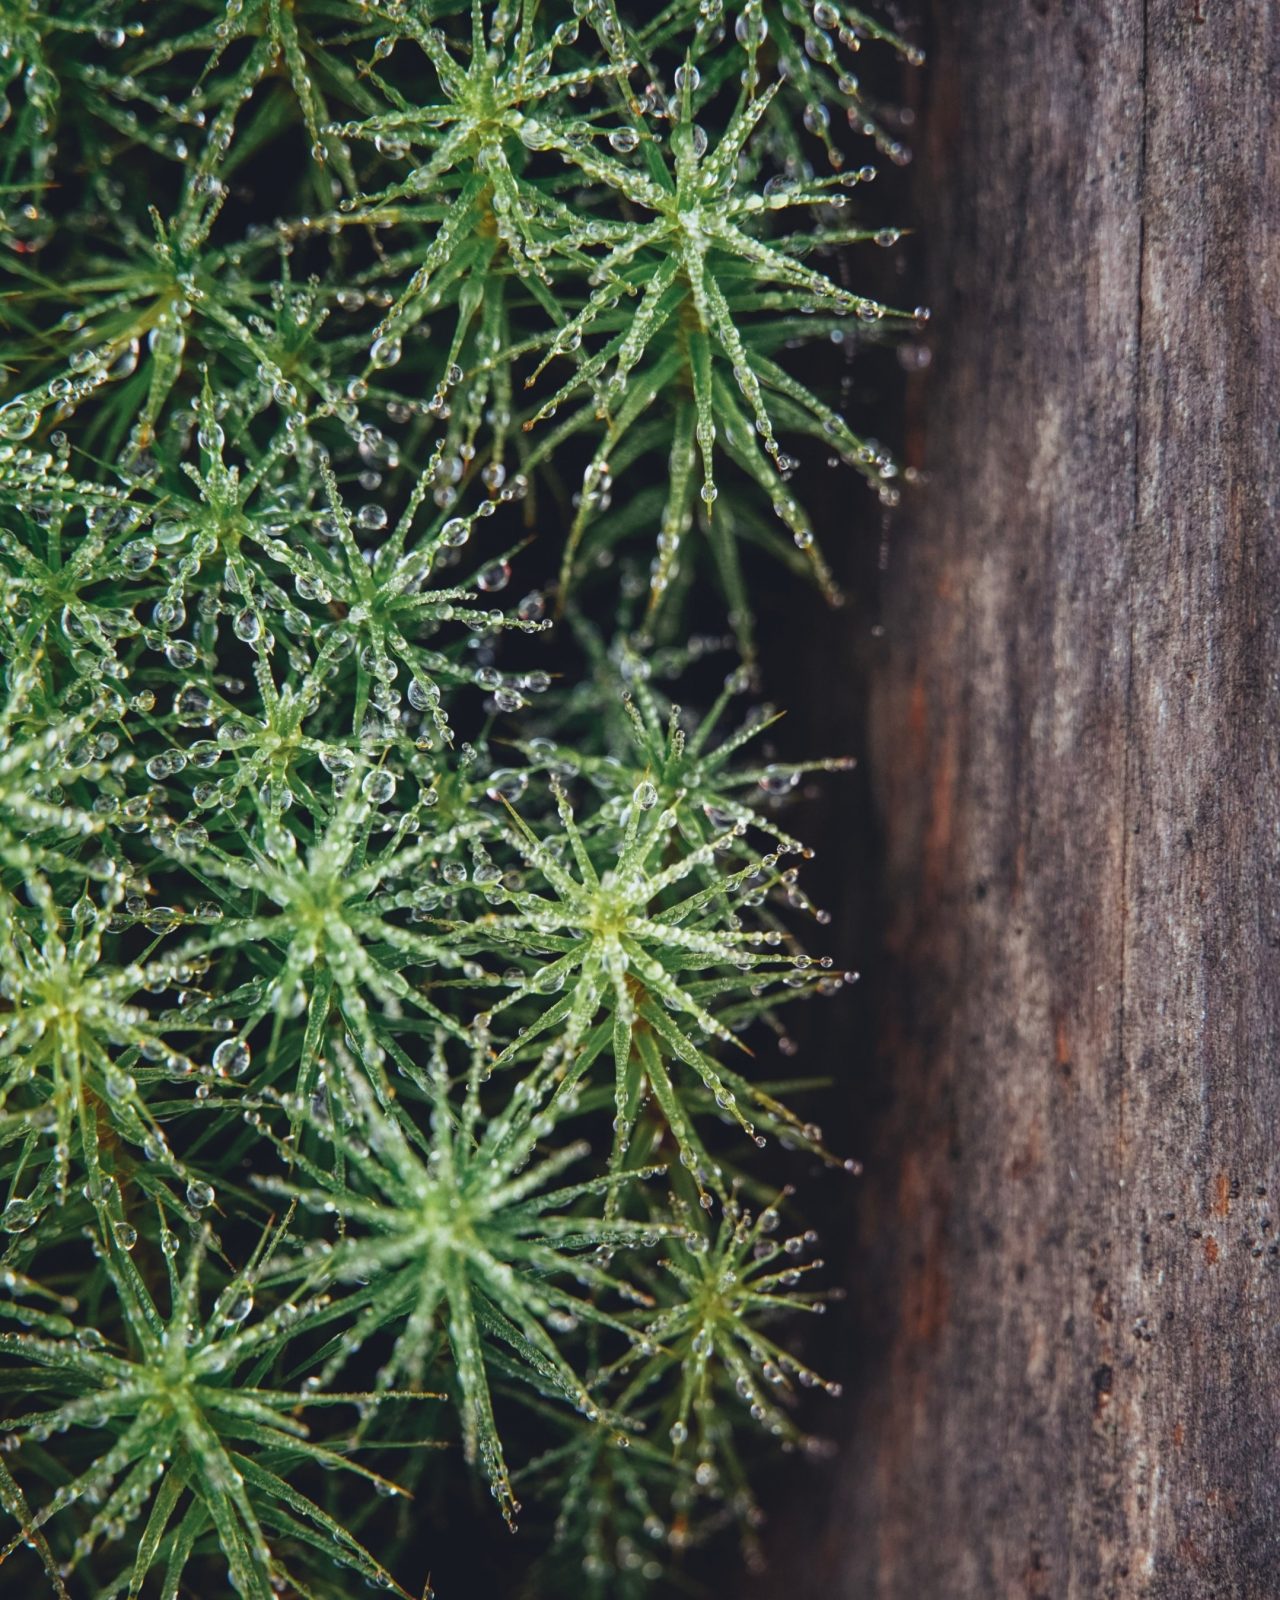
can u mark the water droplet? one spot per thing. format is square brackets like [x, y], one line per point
[18, 421]
[777, 781]
[505, 783]
[378, 786]
[495, 576]
[17, 1217]
[239, 1308]
[232, 1056]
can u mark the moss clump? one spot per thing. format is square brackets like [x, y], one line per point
[377, 956]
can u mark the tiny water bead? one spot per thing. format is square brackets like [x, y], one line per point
[493, 577]
[18, 1216]
[506, 783]
[18, 421]
[232, 1056]
[238, 1308]
[378, 786]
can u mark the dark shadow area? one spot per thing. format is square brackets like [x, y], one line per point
[820, 663]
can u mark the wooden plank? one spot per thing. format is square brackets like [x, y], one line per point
[1201, 1094]
[1067, 1281]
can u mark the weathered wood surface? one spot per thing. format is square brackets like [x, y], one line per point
[1067, 1258]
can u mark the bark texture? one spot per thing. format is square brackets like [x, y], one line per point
[1067, 1263]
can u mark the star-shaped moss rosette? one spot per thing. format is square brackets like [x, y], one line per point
[621, 954]
[698, 270]
[318, 924]
[720, 1290]
[178, 1441]
[485, 227]
[82, 1046]
[462, 1233]
[499, 98]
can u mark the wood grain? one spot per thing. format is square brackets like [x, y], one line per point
[1067, 1255]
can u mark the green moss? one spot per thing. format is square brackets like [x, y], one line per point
[379, 961]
